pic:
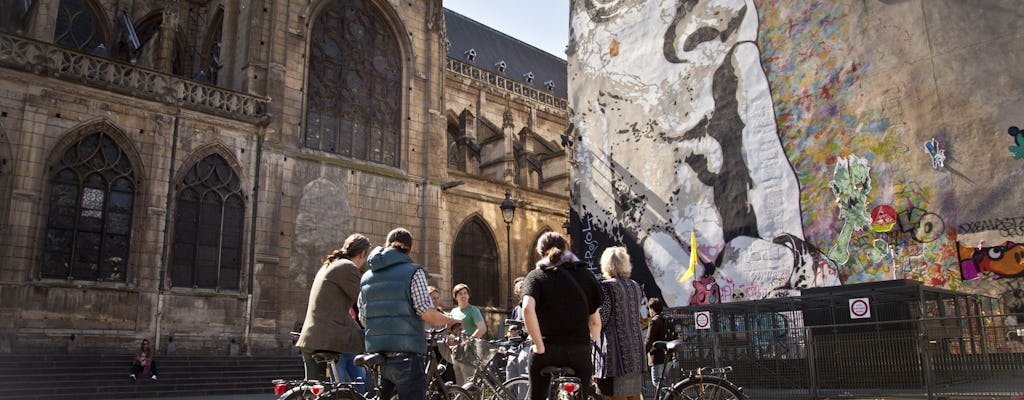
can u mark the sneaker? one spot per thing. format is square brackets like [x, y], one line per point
[153, 377]
[132, 376]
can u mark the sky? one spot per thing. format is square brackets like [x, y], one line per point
[543, 24]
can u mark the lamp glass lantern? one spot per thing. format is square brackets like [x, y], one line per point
[508, 213]
[508, 208]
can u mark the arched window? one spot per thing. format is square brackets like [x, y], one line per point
[207, 249]
[89, 224]
[79, 27]
[475, 262]
[354, 84]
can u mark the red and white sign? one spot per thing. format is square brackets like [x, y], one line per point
[702, 319]
[860, 308]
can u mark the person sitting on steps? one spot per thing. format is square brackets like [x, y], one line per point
[143, 363]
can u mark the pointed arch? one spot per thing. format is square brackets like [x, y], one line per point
[354, 81]
[209, 217]
[82, 25]
[205, 150]
[93, 183]
[476, 262]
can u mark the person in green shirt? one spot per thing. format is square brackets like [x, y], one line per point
[473, 325]
[472, 319]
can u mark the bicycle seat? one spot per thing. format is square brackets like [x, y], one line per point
[671, 345]
[369, 360]
[325, 356]
[557, 371]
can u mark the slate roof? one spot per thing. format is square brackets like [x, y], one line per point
[492, 47]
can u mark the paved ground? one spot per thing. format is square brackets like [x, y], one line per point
[267, 396]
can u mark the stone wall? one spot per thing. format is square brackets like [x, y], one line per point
[299, 203]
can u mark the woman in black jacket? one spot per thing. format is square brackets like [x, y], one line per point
[560, 301]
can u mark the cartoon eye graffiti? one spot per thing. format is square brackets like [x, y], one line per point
[995, 253]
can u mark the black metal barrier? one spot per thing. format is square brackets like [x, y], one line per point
[774, 355]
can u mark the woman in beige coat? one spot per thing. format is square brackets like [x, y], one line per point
[330, 322]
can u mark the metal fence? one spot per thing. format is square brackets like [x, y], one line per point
[774, 356]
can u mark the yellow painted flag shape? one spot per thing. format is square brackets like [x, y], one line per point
[693, 257]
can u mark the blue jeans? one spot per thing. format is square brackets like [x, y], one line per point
[350, 372]
[406, 372]
[656, 373]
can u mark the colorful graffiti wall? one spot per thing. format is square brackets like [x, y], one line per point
[805, 144]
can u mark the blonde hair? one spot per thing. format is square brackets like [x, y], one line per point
[615, 263]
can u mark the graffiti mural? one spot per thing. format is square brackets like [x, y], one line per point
[937, 154]
[771, 129]
[700, 100]
[1018, 137]
[1003, 261]
[851, 185]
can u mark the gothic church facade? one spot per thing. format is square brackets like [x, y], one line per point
[180, 168]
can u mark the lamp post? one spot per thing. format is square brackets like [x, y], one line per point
[508, 213]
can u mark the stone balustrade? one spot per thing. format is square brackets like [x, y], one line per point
[504, 83]
[46, 58]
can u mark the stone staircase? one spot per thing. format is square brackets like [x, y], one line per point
[99, 376]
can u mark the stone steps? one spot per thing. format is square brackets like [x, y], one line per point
[101, 376]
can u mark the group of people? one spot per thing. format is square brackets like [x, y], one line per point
[569, 315]
[572, 319]
[591, 326]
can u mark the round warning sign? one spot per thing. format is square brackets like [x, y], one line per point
[702, 319]
[860, 308]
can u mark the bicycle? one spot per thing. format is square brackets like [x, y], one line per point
[698, 384]
[437, 388]
[331, 389]
[564, 386]
[372, 362]
[485, 385]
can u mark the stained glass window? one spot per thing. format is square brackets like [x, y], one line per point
[207, 248]
[78, 27]
[88, 228]
[354, 84]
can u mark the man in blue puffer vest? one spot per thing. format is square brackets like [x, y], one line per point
[394, 300]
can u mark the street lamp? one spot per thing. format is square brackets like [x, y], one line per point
[508, 213]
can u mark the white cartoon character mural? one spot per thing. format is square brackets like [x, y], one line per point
[676, 132]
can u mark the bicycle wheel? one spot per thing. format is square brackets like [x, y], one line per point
[457, 393]
[705, 388]
[517, 387]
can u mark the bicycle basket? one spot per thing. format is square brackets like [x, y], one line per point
[475, 352]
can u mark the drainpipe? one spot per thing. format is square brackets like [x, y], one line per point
[167, 231]
[252, 236]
